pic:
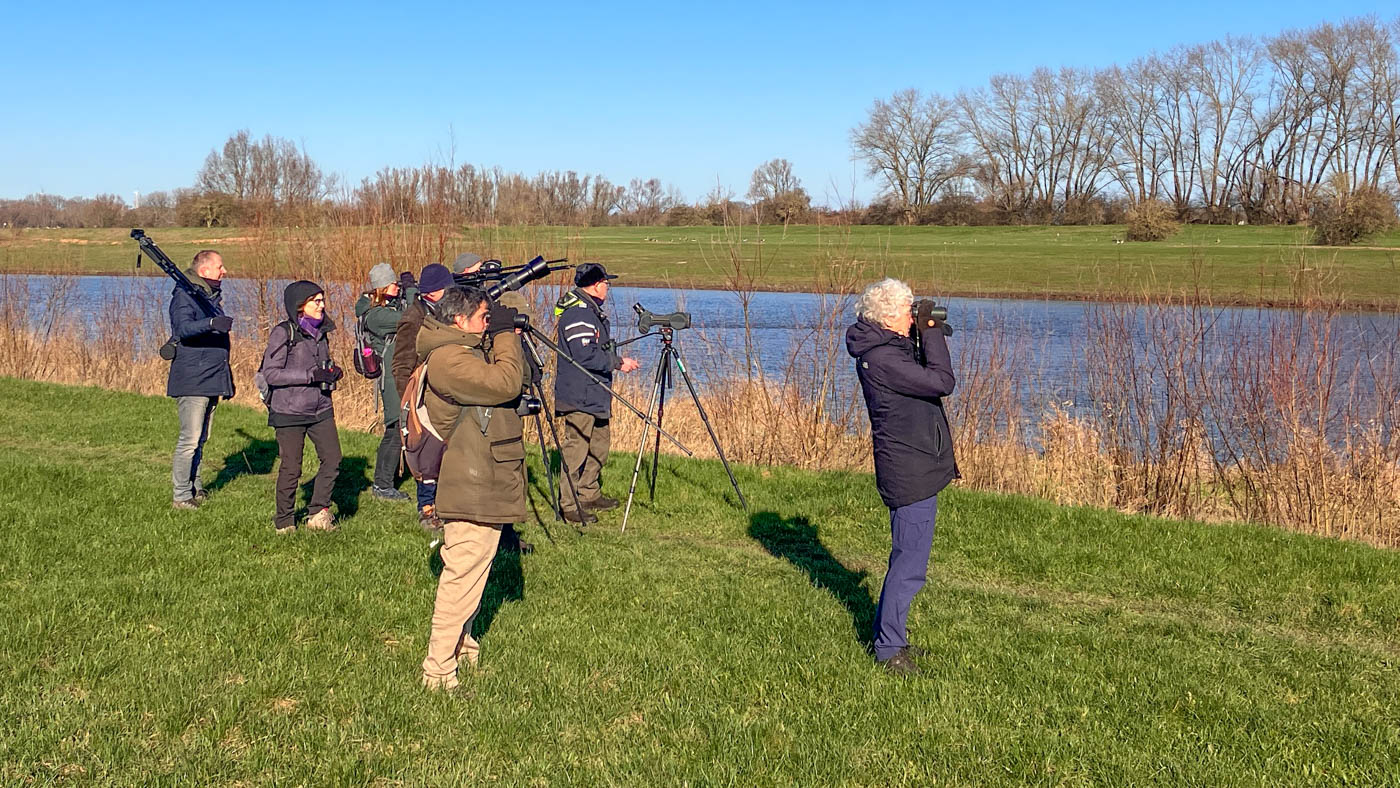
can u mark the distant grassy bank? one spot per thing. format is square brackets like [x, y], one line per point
[704, 646]
[1227, 265]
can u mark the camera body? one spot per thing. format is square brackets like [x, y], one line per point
[529, 406]
[925, 309]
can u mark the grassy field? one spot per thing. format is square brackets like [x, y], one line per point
[704, 646]
[1252, 265]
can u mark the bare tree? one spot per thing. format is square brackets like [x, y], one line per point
[911, 143]
[778, 194]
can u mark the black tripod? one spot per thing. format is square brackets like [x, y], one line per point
[657, 404]
[528, 336]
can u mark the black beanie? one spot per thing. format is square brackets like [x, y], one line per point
[298, 293]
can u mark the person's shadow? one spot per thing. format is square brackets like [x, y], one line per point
[796, 540]
[506, 583]
[352, 480]
[256, 458]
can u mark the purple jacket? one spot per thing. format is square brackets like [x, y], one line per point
[287, 365]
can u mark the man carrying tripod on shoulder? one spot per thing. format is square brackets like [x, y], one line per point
[199, 371]
[585, 407]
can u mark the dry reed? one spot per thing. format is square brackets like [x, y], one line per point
[1183, 409]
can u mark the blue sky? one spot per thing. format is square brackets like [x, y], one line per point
[111, 97]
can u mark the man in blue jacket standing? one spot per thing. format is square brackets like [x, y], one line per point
[199, 372]
[904, 390]
[585, 406]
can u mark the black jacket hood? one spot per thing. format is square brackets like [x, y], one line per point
[864, 336]
[296, 294]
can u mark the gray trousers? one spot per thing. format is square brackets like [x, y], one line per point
[196, 415]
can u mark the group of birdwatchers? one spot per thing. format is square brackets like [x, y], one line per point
[455, 362]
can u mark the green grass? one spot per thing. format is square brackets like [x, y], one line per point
[1248, 265]
[704, 646]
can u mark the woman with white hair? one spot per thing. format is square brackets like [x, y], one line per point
[903, 390]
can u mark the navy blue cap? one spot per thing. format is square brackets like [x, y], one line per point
[591, 274]
[435, 276]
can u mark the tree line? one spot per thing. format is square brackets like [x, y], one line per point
[273, 181]
[1264, 131]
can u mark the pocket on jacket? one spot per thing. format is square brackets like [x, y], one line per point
[508, 449]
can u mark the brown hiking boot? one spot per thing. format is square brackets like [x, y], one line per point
[581, 517]
[428, 519]
[321, 521]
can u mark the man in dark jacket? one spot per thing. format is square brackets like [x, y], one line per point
[474, 368]
[432, 283]
[585, 406]
[913, 445]
[199, 373]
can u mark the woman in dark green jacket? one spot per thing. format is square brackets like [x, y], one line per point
[378, 311]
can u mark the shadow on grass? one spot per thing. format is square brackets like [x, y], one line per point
[796, 540]
[256, 458]
[352, 480]
[506, 583]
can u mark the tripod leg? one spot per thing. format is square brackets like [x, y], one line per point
[563, 471]
[680, 363]
[665, 373]
[554, 502]
[642, 446]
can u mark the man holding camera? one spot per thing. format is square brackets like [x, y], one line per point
[199, 371]
[474, 367]
[585, 406]
[903, 385]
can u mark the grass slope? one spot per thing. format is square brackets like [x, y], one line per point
[1264, 265]
[1069, 646]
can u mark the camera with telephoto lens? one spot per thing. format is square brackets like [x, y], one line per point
[675, 321]
[923, 310]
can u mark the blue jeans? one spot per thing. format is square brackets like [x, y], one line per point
[427, 494]
[196, 416]
[911, 542]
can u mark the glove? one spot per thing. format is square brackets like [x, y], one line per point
[406, 280]
[500, 319]
[223, 324]
[923, 313]
[322, 375]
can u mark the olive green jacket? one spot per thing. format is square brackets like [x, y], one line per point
[483, 470]
[381, 323]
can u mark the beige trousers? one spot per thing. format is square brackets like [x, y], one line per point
[467, 552]
[584, 448]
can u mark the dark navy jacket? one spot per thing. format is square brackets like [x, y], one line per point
[913, 444]
[584, 334]
[200, 367]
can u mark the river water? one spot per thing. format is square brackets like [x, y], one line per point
[784, 336]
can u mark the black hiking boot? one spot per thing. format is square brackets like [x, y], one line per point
[901, 664]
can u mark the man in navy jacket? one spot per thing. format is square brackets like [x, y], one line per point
[912, 442]
[199, 373]
[585, 406]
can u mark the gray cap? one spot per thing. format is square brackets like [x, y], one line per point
[382, 275]
[464, 261]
